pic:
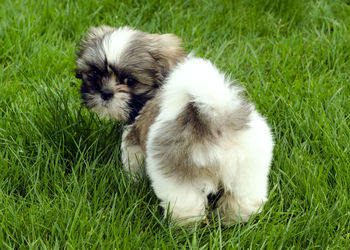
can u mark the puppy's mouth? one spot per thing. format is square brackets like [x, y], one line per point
[104, 100]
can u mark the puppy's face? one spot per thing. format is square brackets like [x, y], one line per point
[121, 69]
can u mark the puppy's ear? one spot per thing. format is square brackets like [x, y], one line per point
[169, 51]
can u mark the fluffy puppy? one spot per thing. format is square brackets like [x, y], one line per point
[193, 128]
[205, 136]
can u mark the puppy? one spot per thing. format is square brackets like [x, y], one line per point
[206, 136]
[194, 129]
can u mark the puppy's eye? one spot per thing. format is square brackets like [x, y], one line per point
[93, 73]
[129, 81]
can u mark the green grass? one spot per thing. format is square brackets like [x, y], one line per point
[61, 179]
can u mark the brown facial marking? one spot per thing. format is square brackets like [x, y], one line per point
[123, 88]
[114, 78]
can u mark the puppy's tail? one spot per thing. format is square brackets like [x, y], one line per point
[197, 86]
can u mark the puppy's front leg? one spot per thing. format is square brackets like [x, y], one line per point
[132, 154]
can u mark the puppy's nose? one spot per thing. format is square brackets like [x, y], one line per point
[107, 93]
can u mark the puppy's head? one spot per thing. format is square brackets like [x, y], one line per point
[122, 68]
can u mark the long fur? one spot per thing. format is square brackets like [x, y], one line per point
[207, 137]
[189, 122]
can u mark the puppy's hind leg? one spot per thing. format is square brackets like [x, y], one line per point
[184, 202]
[246, 190]
[173, 178]
[245, 194]
[238, 209]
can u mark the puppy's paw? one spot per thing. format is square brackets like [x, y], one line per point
[233, 210]
[133, 158]
[185, 217]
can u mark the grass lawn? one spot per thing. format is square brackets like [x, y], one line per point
[62, 184]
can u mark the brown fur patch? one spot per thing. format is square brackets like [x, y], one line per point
[139, 129]
[122, 88]
[194, 125]
[170, 50]
[148, 59]
[175, 141]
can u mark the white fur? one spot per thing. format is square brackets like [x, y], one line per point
[241, 158]
[117, 42]
[113, 107]
[199, 81]
[185, 201]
